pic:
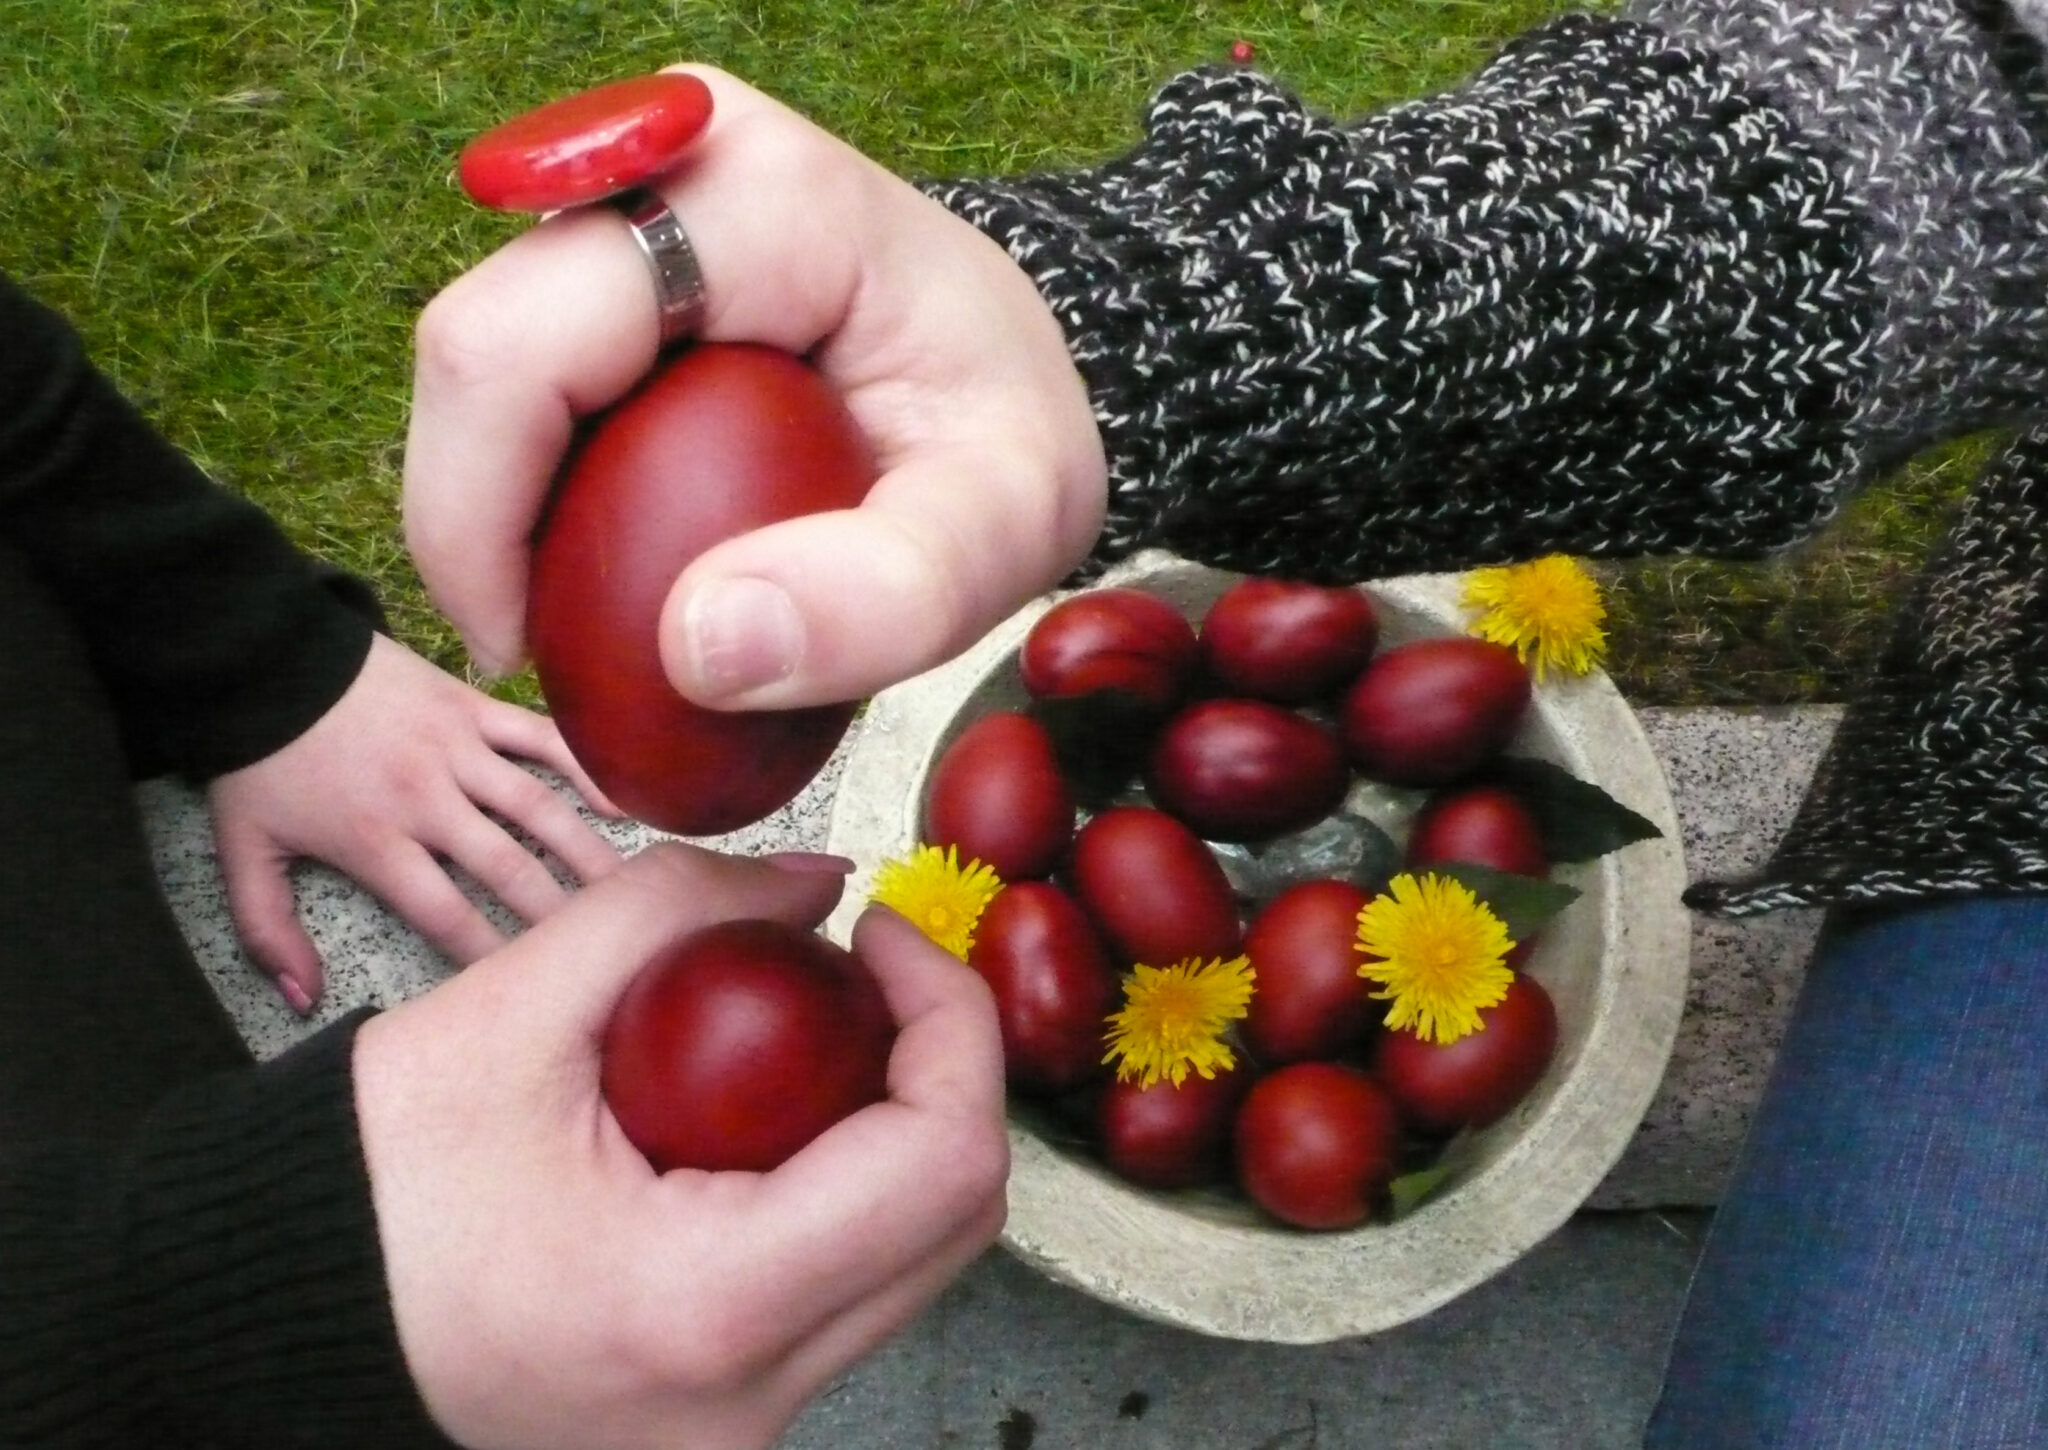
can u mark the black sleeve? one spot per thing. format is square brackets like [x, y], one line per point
[215, 1280]
[218, 640]
[1635, 288]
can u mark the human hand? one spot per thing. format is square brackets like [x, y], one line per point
[391, 781]
[993, 478]
[551, 1290]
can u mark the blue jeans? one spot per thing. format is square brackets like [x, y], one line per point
[1877, 1275]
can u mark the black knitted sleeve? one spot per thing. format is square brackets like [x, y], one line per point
[1633, 289]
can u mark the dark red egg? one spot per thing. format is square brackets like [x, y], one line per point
[1053, 983]
[997, 794]
[1152, 886]
[1244, 770]
[741, 1043]
[1317, 1143]
[1164, 1136]
[1287, 641]
[724, 439]
[1483, 824]
[1475, 1080]
[1110, 639]
[1428, 712]
[1307, 997]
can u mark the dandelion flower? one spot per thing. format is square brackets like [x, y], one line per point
[1173, 1019]
[941, 898]
[1548, 611]
[1438, 953]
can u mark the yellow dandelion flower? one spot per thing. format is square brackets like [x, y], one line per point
[1548, 611]
[1173, 1019]
[1438, 953]
[941, 898]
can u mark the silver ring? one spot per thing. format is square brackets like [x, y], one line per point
[678, 281]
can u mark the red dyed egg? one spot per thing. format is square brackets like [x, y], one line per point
[724, 439]
[1482, 824]
[997, 794]
[1110, 639]
[1281, 640]
[1153, 888]
[1475, 1080]
[1307, 997]
[1244, 770]
[1428, 712]
[586, 146]
[1170, 1137]
[741, 1043]
[1316, 1144]
[1053, 984]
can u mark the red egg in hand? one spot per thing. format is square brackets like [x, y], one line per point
[724, 439]
[741, 1043]
[997, 795]
[1053, 984]
[1309, 1000]
[1428, 712]
[1165, 1136]
[1316, 1144]
[1246, 770]
[1475, 1080]
[1110, 639]
[1153, 888]
[1483, 824]
[1287, 641]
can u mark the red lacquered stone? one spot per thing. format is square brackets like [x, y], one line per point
[586, 146]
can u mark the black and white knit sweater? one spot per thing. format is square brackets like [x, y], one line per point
[1678, 281]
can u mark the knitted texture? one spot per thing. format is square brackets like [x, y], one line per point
[1605, 299]
[1936, 783]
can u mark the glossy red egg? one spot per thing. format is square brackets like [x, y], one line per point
[1307, 997]
[997, 794]
[1164, 1136]
[1110, 639]
[724, 439]
[1245, 770]
[1426, 713]
[1287, 641]
[1483, 824]
[1154, 888]
[1475, 1080]
[741, 1043]
[1053, 983]
[588, 145]
[1317, 1144]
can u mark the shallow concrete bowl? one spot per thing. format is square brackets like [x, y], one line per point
[1614, 962]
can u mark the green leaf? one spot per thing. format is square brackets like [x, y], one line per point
[1576, 818]
[1100, 740]
[1406, 1193]
[1523, 903]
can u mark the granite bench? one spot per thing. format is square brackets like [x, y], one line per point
[1735, 776]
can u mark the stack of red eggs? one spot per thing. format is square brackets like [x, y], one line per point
[1121, 808]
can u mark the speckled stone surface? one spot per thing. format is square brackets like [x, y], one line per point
[1735, 777]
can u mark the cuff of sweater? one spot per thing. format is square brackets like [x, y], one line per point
[256, 1282]
[1604, 299]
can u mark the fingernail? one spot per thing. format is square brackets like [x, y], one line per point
[742, 633]
[820, 862]
[294, 994]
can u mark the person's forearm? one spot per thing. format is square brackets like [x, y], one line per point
[216, 1277]
[1637, 288]
[217, 641]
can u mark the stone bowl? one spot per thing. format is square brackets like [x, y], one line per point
[1614, 962]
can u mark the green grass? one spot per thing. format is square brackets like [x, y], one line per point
[244, 208]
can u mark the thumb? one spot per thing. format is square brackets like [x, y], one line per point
[559, 982]
[266, 917]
